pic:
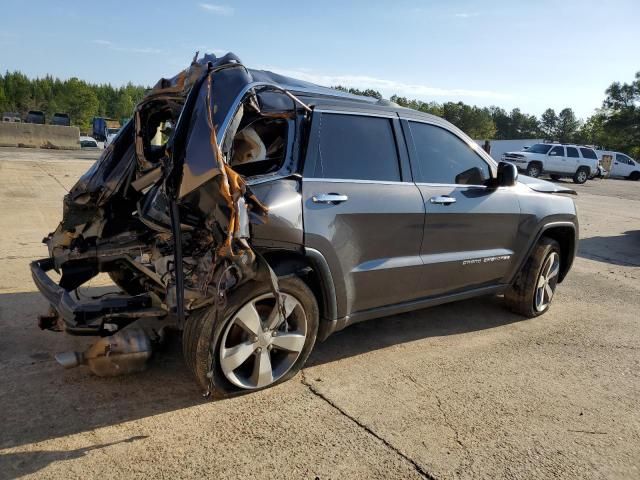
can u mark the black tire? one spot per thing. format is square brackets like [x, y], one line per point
[202, 331]
[534, 169]
[581, 175]
[555, 177]
[635, 176]
[520, 297]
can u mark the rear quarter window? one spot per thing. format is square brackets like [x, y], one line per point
[588, 153]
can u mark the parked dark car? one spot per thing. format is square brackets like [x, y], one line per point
[35, 116]
[258, 213]
[61, 119]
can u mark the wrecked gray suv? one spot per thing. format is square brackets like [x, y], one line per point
[258, 213]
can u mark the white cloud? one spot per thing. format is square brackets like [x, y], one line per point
[387, 87]
[216, 9]
[118, 48]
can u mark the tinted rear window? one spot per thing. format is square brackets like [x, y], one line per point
[588, 153]
[357, 147]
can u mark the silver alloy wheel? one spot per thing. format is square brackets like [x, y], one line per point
[534, 171]
[259, 345]
[547, 281]
[582, 176]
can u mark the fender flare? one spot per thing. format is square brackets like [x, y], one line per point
[543, 228]
[321, 267]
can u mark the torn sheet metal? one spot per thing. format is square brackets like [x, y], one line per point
[165, 185]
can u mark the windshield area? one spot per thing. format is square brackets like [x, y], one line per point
[539, 148]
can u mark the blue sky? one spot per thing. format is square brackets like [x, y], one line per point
[527, 54]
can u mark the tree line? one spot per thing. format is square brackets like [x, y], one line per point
[615, 126]
[80, 99]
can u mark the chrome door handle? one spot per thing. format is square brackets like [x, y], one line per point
[333, 198]
[442, 200]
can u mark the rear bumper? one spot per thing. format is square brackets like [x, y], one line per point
[88, 317]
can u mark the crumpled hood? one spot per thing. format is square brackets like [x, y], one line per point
[544, 186]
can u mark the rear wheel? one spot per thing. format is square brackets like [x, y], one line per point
[250, 346]
[534, 288]
[581, 175]
[534, 169]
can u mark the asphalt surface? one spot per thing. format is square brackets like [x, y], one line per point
[465, 390]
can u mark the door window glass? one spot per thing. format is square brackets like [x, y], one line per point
[572, 152]
[557, 152]
[445, 158]
[357, 147]
[622, 159]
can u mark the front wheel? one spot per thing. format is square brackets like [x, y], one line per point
[249, 345]
[534, 170]
[581, 175]
[534, 288]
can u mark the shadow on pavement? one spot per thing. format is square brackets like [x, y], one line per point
[452, 319]
[615, 249]
[40, 400]
[17, 464]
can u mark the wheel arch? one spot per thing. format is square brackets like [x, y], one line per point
[313, 269]
[565, 233]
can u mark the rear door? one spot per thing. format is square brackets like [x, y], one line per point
[572, 159]
[361, 210]
[470, 229]
[589, 158]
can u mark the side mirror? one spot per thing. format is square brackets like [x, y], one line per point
[507, 174]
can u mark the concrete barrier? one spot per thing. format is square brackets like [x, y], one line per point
[39, 136]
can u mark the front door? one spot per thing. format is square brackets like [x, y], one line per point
[470, 229]
[361, 210]
[622, 165]
[556, 160]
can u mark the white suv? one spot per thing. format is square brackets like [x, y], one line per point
[558, 160]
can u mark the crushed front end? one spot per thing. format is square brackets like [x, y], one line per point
[163, 213]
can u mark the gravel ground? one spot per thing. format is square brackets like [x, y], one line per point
[465, 390]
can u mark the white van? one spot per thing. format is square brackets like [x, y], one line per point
[619, 164]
